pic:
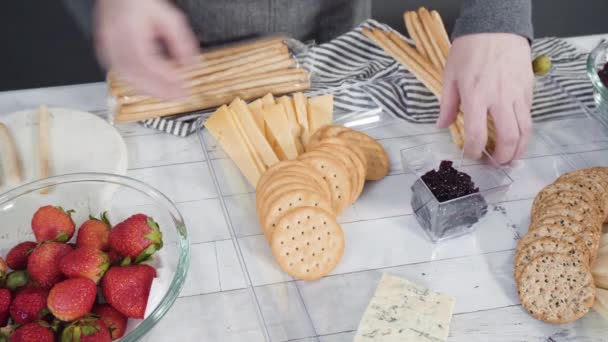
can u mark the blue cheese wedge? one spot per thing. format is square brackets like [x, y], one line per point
[402, 311]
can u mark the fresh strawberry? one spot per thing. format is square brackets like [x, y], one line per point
[95, 233]
[88, 329]
[85, 262]
[43, 263]
[114, 257]
[136, 238]
[17, 279]
[17, 256]
[33, 332]
[5, 303]
[127, 288]
[116, 322]
[53, 223]
[3, 270]
[71, 299]
[29, 305]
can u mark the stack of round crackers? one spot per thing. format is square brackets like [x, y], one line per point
[297, 201]
[553, 260]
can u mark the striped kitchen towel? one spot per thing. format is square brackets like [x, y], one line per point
[363, 78]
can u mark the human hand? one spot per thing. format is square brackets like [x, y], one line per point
[490, 73]
[143, 40]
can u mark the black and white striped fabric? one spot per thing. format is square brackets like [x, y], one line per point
[363, 78]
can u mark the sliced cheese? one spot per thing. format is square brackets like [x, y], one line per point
[222, 126]
[406, 312]
[320, 112]
[276, 120]
[256, 109]
[248, 144]
[253, 132]
[290, 112]
[300, 103]
[600, 268]
[268, 100]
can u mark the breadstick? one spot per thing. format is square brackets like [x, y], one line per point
[407, 17]
[426, 44]
[262, 72]
[10, 158]
[205, 67]
[43, 144]
[204, 103]
[433, 34]
[228, 87]
[442, 32]
[240, 47]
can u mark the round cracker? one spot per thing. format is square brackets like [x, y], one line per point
[317, 136]
[335, 173]
[572, 201]
[355, 167]
[358, 158]
[378, 164]
[284, 202]
[524, 254]
[287, 176]
[556, 288]
[295, 166]
[270, 195]
[538, 230]
[578, 214]
[589, 234]
[592, 182]
[563, 190]
[308, 243]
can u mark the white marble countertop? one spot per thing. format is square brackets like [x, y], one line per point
[382, 236]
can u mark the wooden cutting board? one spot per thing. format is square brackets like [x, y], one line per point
[78, 142]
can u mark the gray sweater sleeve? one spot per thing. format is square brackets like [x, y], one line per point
[480, 16]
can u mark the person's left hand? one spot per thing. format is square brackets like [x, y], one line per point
[490, 73]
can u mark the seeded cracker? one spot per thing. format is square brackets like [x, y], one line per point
[589, 233]
[307, 243]
[524, 254]
[556, 288]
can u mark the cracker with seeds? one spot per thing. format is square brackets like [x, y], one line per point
[524, 254]
[307, 243]
[556, 288]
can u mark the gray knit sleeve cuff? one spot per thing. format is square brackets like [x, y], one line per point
[495, 16]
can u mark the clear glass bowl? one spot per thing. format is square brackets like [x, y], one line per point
[459, 216]
[121, 197]
[596, 60]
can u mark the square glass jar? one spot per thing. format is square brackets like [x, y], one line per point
[459, 216]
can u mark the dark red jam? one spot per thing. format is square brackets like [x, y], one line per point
[603, 74]
[448, 183]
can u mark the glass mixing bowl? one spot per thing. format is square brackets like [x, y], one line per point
[121, 197]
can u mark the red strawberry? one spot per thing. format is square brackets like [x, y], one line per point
[127, 288]
[87, 329]
[43, 263]
[116, 322]
[33, 332]
[114, 258]
[72, 299]
[53, 223]
[85, 262]
[95, 233]
[17, 256]
[3, 270]
[29, 305]
[5, 303]
[136, 238]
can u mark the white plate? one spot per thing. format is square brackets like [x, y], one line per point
[79, 142]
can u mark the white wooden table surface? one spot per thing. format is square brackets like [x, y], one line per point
[382, 236]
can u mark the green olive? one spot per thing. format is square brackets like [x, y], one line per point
[541, 65]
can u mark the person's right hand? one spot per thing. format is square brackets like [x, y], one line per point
[143, 40]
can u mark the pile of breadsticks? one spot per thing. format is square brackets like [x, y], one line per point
[249, 70]
[427, 59]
